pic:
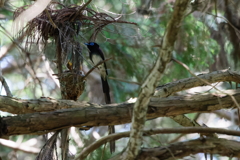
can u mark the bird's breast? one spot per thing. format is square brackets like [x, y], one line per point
[96, 59]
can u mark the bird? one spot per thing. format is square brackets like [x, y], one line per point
[96, 55]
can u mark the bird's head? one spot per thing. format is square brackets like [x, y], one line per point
[92, 45]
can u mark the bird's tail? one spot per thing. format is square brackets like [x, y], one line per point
[106, 91]
[111, 129]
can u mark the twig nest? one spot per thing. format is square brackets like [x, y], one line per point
[72, 84]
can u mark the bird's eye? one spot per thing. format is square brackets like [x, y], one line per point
[91, 43]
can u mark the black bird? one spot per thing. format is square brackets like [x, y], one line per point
[96, 56]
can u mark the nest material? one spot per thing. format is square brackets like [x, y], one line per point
[51, 20]
[72, 85]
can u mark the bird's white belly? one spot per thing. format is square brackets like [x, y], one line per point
[96, 59]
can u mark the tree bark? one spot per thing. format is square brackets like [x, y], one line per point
[45, 104]
[86, 115]
[203, 131]
[223, 147]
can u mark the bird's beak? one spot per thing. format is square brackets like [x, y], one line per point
[86, 43]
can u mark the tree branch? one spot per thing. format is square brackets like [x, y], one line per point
[21, 147]
[148, 87]
[86, 115]
[21, 106]
[5, 85]
[186, 130]
[187, 83]
[94, 67]
[204, 81]
[223, 147]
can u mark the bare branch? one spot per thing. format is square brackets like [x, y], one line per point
[179, 150]
[80, 10]
[187, 83]
[186, 130]
[85, 115]
[21, 106]
[21, 147]
[97, 66]
[5, 85]
[148, 87]
[206, 82]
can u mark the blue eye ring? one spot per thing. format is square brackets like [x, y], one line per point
[91, 43]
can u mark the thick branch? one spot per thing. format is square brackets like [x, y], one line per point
[186, 130]
[219, 146]
[200, 80]
[20, 106]
[149, 85]
[102, 115]
[187, 83]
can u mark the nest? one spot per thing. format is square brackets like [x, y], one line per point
[72, 85]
